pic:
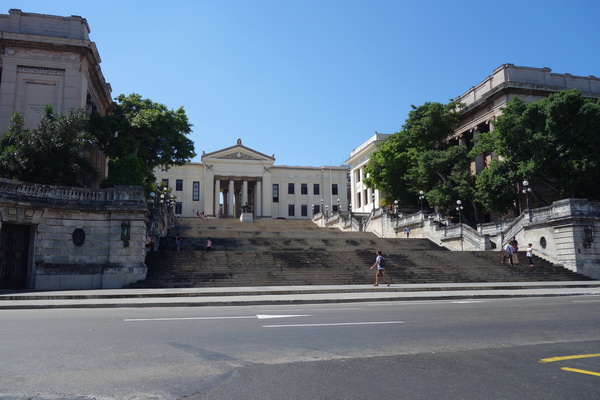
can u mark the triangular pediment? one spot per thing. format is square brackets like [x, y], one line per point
[237, 152]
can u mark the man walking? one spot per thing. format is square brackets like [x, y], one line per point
[508, 253]
[380, 273]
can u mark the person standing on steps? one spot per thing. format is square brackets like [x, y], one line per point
[513, 242]
[508, 254]
[380, 273]
[208, 244]
[530, 254]
[407, 232]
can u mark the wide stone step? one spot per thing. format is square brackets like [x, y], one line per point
[287, 252]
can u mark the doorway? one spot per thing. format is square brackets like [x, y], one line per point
[14, 248]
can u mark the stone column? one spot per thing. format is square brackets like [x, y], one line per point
[8, 90]
[258, 199]
[479, 160]
[217, 195]
[245, 193]
[230, 198]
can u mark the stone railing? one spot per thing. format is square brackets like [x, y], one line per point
[38, 192]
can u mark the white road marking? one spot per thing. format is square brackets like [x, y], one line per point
[333, 324]
[430, 302]
[186, 318]
[259, 316]
[321, 309]
[469, 301]
[265, 316]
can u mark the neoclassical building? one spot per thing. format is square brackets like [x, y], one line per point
[48, 60]
[362, 198]
[483, 103]
[228, 179]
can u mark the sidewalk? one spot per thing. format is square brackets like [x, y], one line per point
[223, 296]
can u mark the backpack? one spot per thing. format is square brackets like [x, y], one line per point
[382, 262]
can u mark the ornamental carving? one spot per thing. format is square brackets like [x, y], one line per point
[238, 155]
[40, 70]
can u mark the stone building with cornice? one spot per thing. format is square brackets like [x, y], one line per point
[228, 179]
[48, 60]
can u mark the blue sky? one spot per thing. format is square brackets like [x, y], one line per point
[311, 80]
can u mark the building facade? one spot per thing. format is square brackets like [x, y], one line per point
[362, 198]
[47, 60]
[228, 180]
[485, 101]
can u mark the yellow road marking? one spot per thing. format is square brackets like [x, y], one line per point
[581, 371]
[547, 360]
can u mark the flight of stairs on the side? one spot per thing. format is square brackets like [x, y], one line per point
[269, 252]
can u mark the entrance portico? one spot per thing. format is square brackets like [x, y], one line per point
[226, 191]
[235, 192]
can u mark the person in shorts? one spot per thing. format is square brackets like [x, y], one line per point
[380, 272]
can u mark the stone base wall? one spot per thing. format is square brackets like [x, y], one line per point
[78, 238]
[87, 276]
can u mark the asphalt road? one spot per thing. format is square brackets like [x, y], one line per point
[473, 349]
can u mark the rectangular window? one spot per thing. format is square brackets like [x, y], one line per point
[303, 188]
[317, 209]
[304, 210]
[316, 189]
[359, 200]
[290, 188]
[291, 210]
[196, 191]
[276, 193]
[335, 208]
[334, 189]
[179, 185]
[178, 207]
[358, 175]
[165, 182]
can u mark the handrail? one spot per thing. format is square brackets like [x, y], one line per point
[63, 193]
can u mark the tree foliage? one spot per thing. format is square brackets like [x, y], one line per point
[419, 157]
[53, 153]
[142, 135]
[551, 143]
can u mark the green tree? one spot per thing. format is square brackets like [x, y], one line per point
[53, 153]
[420, 157]
[550, 143]
[142, 135]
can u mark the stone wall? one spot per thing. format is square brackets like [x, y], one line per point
[79, 238]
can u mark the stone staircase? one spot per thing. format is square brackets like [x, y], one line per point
[297, 252]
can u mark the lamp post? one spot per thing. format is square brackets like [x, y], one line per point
[526, 191]
[326, 211]
[373, 199]
[322, 210]
[396, 207]
[459, 208]
[421, 197]
[339, 210]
